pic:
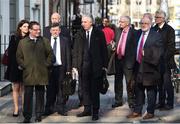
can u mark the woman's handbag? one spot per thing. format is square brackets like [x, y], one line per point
[5, 57]
[68, 85]
[104, 84]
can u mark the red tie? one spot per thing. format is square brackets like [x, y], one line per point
[120, 50]
[140, 49]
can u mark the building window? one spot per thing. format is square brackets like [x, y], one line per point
[27, 10]
[118, 2]
[149, 2]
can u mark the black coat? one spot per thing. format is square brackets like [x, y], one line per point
[148, 71]
[168, 38]
[13, 74]
[98, 51]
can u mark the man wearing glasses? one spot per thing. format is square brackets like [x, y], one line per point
[34, 56]
[149, 49]
[165, 87]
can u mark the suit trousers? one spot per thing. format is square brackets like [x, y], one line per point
[90, 91]
[28, 101]
[120, 71]
[165, 88]
[140, 98]
[80, 95]
[54, 91]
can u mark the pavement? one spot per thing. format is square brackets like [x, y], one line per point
[107, 114]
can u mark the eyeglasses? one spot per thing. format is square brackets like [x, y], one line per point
[122, 21]
[143, 23]
[36, 29]
[158, 17]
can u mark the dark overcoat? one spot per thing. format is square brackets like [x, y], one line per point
[98, 51]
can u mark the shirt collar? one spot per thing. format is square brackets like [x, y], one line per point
[126, 29]
[90, 30]
[31, 38]
[161, 26]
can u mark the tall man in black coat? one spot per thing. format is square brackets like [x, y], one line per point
[149, 50]
[165, 88]
[61, 67]
[125, 58]
[90, 58]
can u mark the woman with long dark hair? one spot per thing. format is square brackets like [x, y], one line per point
[14, 73]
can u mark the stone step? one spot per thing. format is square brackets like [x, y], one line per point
[5, 87]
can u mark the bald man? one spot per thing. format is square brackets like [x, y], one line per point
[56, 18]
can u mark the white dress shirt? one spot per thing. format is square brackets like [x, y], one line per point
[58, 50]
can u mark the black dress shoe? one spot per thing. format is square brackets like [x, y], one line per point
[26, 120]
[95, 117]
[159, 106]
[116, 105]
[47, 112]
[63, 113]
[38, 119]
[166, 107]
[82, 114]
[15, 115]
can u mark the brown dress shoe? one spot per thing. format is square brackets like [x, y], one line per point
[148, 116]
[134, 115]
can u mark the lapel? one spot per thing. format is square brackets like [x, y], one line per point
[128, 36]
[62, 44]
[92, 37]
[118, 33]
[148, 40]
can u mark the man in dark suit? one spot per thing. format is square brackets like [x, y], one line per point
[90, 58]
[56, 18]
[165, 88]
[60, 68]
[124, 60]
[149, 50]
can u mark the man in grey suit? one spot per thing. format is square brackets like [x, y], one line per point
[124, 60]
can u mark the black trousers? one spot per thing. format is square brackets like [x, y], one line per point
[165, 88]
[140, 97]
[90, 91]
[54, 89]
[80, 94]
[118, 87]
[28, 101]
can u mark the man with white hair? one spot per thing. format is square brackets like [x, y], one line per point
[165, 88]
[149, 50]
[124, 61]
[90, 59]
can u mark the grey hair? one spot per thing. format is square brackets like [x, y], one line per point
[149, 15]
[128, 19]
[89, 16]
[161, 12]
